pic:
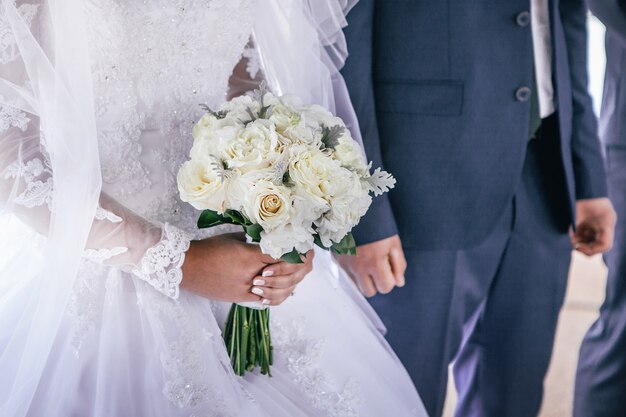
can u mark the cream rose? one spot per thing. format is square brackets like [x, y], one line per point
[268, 205]
[200, 184]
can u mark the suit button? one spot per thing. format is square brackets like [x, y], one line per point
[523, 19]
[523, 94]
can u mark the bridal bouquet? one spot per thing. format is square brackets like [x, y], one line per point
[291, 176]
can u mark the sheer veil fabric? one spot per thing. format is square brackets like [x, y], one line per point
[50, 82]
[54, 213]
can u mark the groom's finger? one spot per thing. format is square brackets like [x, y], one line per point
[398, 266]
[383, 276]
[366, 284]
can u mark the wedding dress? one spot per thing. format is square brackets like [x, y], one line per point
[109, 333]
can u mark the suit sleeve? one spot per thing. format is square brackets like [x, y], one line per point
[379, 222]
[586, 155]
[613, 14]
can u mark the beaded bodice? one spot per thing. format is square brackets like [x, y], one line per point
[154, 62]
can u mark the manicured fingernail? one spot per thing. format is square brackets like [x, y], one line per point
[267, 273]
[265, 302]
[258, 282]
[257, 291]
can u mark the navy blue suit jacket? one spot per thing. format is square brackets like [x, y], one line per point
[440, 88]
[613, 117]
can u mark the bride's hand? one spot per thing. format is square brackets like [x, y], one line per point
[278, 282]
[224, 268]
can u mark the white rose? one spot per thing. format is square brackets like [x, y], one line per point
[284, 117]
[307, 208]
[284, 239]
[240, 184]
[349, 153]
[317, 116]
[311, 170]
[214, 143]
[206, 126]
[255, 147]
[239, 108]
[348, 203]
[303, 134]
[200, 184]
[268, 205]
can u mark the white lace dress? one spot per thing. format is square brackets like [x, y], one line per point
[131, 344]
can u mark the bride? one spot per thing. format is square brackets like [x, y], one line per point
[111, 300]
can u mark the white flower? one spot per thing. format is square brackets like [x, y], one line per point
[317, 116]
[285, 239]
[240, 184]
[349, 153]
[200, 184]
[214, 143]
[284, 117]
[206, 126]
[239, 109]
[349, 201]
[312, 170]
[268, 205]
[255, 147]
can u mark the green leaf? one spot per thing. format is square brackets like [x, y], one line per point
[236, 217]
[347, 246]
[254, 231]
[318, 242]
[292, 257]
[210, 218]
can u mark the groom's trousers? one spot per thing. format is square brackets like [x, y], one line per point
[492, 309]
[601, 374]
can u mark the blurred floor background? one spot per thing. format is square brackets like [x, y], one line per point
[585, 288]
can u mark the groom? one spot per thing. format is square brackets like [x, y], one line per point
[480, 110]
[601, 373]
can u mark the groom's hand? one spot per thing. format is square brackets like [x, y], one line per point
[377, 266]
[595, 226]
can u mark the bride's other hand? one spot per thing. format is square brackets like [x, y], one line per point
[223, 267]
[278, 281]
[377, 267]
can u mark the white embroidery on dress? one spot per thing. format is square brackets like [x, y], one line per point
[148, 86]
[161, 265]
[8, 47]
[38, 178]
[102, 214]
[83, 304]
[102, 255]
[302, 357]
[187, 380]
[11, 116]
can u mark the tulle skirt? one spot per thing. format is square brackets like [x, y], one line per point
[123, 349]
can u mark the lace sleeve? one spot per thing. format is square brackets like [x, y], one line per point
[118, 237]
[162, 263]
